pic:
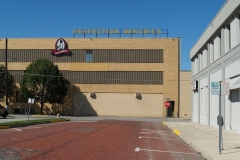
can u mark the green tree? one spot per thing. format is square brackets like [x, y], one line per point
[43, 82]
[11, 84]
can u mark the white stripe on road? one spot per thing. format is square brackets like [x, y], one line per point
[84, 121]
[153, 133]
[31, 127]
[160, 138]
[138, 149]
[17, 129]
[153, 130]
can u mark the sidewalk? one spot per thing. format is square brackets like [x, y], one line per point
[205, 139]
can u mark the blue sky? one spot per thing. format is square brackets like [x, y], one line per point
[57, 18]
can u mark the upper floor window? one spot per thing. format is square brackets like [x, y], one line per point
[88, 55]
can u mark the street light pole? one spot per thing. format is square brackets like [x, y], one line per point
[6, 77]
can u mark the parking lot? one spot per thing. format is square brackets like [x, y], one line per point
[97, 138]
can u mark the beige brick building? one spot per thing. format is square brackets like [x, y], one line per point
[106, 76]
[185, 94]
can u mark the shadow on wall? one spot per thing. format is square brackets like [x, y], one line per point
[17, 107]
[82, 106]
[74, 104]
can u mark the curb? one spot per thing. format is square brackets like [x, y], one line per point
[4, 127]
[39, 115]
[30, 124]
[177, 132]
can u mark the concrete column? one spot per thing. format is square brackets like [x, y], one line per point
[234, 30]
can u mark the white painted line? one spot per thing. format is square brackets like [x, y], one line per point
[54, 124]
[84, 121]
[146, 132]
[138, 149]
[153, 133]
[160, 138]
[17, 129]
[32, 127]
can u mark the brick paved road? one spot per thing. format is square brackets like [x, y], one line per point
[94, 140]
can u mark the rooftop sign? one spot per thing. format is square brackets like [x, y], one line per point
[119, 32]
[61, 47]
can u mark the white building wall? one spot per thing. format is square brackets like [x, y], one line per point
[216, 48]
[234, 33]
[235, 109]
[227, 23]
[232, 70]
[232, 120]
[204, 101]
[214, 99]
[193, 67]
[196, 65]
[224, 13]
[228, 113]
[205, 58]
[195, 106]
[226, 38]
[211, 52]
[200, 56]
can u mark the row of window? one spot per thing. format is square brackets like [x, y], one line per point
[81, 55]
[105, 77]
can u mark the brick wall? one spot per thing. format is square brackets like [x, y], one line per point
[170, 65]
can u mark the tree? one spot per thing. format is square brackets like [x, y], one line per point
[43, 82]
[3, 82]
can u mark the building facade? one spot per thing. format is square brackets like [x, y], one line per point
[185, 94]
[105, 76]
[216, 59]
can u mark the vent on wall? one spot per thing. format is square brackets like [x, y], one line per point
[137, 95]
[92, 94]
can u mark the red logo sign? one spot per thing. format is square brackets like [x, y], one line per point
[167, 104]
[61, 47]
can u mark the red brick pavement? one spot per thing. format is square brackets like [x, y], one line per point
[102, 140]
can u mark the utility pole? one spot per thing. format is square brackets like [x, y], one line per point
[6, 69]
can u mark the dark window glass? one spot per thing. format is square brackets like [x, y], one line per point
[89, 56]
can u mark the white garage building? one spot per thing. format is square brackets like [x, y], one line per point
[216, 58]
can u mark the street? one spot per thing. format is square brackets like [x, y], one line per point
[106, 139]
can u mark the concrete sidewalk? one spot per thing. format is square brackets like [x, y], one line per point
[205, 139]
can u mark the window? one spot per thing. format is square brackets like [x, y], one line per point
[88, 55]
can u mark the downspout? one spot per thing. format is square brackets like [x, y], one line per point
[179, 53]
